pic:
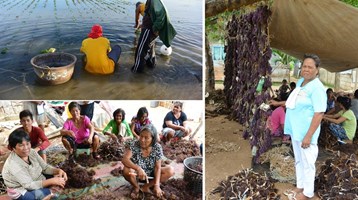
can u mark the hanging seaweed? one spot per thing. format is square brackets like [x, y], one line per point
[247, 74]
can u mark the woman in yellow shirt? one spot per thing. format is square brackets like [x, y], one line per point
[100, 57]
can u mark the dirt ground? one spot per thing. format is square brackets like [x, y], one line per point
[226, 153]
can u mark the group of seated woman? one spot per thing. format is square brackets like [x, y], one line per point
[142, 160]
[341, 115]
[343, 124]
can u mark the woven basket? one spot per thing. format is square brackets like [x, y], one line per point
[54, 68]
[192, 177]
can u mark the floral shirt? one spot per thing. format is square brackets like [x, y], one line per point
[146, 163]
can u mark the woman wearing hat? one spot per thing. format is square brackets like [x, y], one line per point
[100, 57]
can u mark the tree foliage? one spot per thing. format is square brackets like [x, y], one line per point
[215, 27]
[351, 2]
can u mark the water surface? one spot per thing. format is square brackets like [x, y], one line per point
[30, 26]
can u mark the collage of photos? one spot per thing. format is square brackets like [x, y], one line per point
[179, 100]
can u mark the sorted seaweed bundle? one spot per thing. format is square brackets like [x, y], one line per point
[111, 150]
[338, 178]
[247, 184]
[181, 149]
[282, 164]
[78, 177]
[247, 74]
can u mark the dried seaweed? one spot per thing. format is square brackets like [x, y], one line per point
[78, 177]
[117, 171]
[247, 184]
[338, 178]
[111, 150]
[247, 61]
[180, 149]
[174, 189]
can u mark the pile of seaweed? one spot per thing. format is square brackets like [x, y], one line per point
[174, 189]
[111, 150]
[117, 171]
[78, 176]
[87, 160]
[326, 139]
[217, 98]
[247, 184]
[338, 178]
[180, 149]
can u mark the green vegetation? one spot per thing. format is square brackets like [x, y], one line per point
[285, 59]
[215, 27]
[351, 2]
[4, 50]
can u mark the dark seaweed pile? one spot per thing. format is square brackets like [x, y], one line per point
[338, 178]
[198, 167]
[78, 177]
[181, 149]
[117, 171]
[221, 107]
[247, 184]
[326, 139]
[86, 160]
[247, 60]
[111, 150]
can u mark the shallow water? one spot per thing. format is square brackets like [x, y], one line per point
[30, 26]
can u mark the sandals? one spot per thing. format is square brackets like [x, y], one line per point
[96, 156]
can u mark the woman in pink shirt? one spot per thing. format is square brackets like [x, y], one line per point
[78, 132]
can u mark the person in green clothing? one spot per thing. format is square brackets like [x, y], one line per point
[118, 128]
[344, 123]
[155, 23]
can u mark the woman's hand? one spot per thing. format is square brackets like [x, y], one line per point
[62, 174]
[182, 128]
[141, 174]
[89, 140]
[114, 137]
[72, 134]
[157, 191]
[58, 181]
[306, 142]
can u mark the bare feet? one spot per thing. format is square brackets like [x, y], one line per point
[301, 196]
[293, 191]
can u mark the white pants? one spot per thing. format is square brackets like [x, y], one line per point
[305, 167]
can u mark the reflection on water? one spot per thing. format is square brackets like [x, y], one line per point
[30, 26]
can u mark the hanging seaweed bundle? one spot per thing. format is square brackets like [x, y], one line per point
[338, 178]
[247, 71]
[247, 184]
